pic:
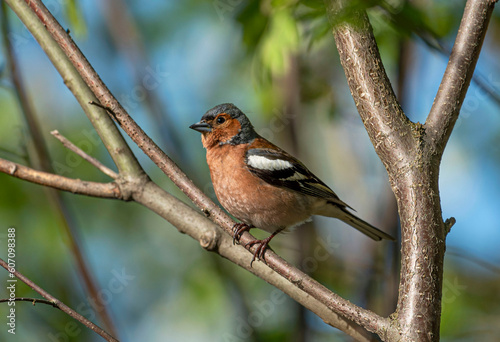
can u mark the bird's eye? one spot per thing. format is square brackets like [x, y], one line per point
[220, 120]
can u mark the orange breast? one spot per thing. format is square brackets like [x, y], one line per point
[249, 198]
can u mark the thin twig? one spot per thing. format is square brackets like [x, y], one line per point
[69, 145]
[434, 43]
[60, 304]
[108, 132]
[76, 186]
[42, 157]
[337, 304]
[31, 300]
[477, 78]
[32, 124]
[410, 164]
[458, 74]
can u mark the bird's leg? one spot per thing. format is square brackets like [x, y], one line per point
[238, 229]
[259, 252]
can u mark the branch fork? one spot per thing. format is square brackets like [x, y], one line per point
[396, 141]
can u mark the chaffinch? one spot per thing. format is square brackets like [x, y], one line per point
[262, 185]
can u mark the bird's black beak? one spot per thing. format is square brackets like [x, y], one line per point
[201, 127]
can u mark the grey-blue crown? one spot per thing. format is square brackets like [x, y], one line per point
[247, 132]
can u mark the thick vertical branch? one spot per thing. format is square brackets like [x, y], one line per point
[408, 151]
[388, 127]
[401, 145]
[343, 311]
[396, 141]
[458, 74]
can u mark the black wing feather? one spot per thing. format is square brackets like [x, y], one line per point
[297, 177]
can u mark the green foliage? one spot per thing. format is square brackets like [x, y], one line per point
[275, 31]
[280, 42]
[253, 23]
[75, 17]
[178, 286]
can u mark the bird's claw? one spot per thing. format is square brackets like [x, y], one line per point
[238, 230]
[259, 252]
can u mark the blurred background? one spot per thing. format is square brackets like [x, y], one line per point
[169, 62]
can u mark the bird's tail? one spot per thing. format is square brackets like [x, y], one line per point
[363, 226]
[338, 209]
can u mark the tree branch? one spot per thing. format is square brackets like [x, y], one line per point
[41, 159]
[388, 127]
[76, 186]
[105, 127]
[408, 151]
[190, 222]
[398, 142]
[31, 300]
[212, 238]
[296, 278]
[106, 99]
[63, 307]
[72, 147]
[464, 55]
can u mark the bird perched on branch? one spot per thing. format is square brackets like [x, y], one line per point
[262, 185]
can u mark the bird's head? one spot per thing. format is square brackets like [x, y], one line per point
[224, 124]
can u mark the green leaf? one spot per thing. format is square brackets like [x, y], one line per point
[281, 40]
